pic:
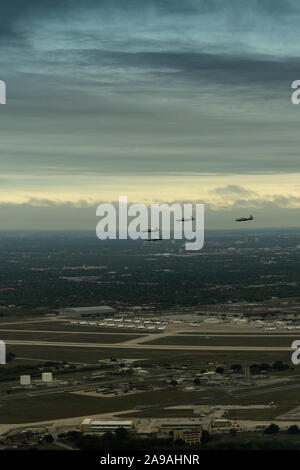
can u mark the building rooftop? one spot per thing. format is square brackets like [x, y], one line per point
[104, 422]
[90, 309]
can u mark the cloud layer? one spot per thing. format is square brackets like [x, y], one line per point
[111, 94]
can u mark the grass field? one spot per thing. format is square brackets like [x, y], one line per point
[66, 405]
[65, 337]
[258, 332]
[222, 341]
[282, 397]
[161, 413]
[265, 414]
[20, 362]
[195, 358]
[65, 326]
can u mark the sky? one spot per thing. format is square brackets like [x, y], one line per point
[159, 100]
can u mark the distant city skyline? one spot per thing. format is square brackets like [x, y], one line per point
[159, 100]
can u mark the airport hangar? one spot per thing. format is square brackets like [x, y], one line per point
[87, 312]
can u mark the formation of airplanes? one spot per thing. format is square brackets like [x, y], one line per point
[151, 230]
[189, 219]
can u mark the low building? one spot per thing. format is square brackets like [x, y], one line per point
[172, 424]
[189, 436]
[87, 312]
[90, 426]
[221, 423]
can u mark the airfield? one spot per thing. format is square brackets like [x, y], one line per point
[177, 352]
[64, 333]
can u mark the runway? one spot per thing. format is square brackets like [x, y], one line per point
[147, 346]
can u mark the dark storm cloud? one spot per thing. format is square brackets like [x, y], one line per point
[149, 86]
[191, 37]
[16, 15]
[157, 41]
[191, 66]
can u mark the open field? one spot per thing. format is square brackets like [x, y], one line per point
[223, 341]
[155, 356]
[257, 414]
[283, 396]
[161, 413]
[256, 332]
[20, 362]
[66, 405]
[65, 337]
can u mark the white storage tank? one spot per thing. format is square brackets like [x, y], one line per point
[47, 376]
[25, 379]
[2, 353]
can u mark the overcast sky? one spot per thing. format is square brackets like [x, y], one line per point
[160, 100]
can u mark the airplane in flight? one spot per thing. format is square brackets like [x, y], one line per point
[153, 239]
[186, 219]
[149, 230]
[244, 219]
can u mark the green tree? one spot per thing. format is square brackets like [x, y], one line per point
[179, 443]
[121, 433]
[174, 383]
[254, 369]
[265, 366]
[272, 429]
[10, 356]
[236, 368]
[279, 365]
[206, 437]
[293, 429]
